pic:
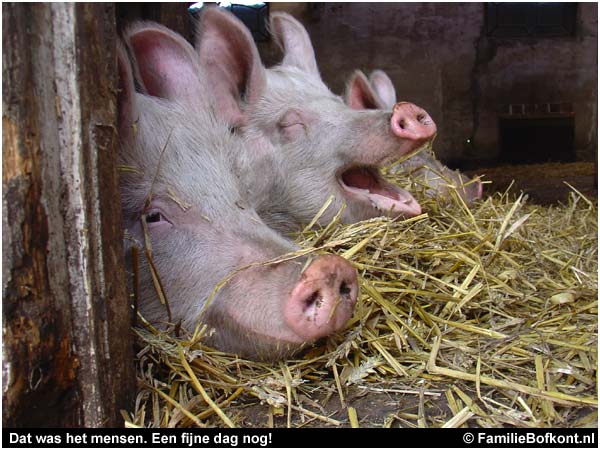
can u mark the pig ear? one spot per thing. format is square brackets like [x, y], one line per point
[360, 95]
[383, 86]
[166, 63]
[293, 39]
[230, 59]
[126, 93]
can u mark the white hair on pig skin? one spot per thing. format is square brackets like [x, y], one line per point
[304, 144]
[182, 201]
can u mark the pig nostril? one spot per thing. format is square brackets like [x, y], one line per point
[314, 299]
[402, 124]
[345, 290]
[421, 118]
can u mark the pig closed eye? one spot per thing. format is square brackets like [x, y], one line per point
[292, 126]
[292, 131]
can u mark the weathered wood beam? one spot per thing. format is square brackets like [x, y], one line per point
[67, 354]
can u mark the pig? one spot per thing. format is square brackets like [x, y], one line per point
[181, 201]
[423, 167]
[304, 144]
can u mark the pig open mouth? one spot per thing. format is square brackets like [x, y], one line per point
[367, 185]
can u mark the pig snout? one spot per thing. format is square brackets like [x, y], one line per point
[412, 123]
[324, 298]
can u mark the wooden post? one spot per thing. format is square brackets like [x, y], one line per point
[67, 355]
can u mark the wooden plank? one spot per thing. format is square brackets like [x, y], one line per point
[67, 355]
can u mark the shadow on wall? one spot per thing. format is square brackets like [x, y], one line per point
[467, 67]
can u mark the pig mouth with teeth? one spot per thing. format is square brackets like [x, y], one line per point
[365, 184]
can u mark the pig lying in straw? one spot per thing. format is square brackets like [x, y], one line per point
[181, 202]
[437, 179]
[303, 144]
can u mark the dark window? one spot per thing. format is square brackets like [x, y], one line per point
[537, 140]
[253, 14]
[514, 20]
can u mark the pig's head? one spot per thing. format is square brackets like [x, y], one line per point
[181, 202]
[305, 143]
[436, 178]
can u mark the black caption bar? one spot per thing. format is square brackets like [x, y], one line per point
[298, 438]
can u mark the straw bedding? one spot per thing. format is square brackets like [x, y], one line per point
[482, 316]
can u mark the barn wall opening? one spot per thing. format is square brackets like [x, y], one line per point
[537, 134]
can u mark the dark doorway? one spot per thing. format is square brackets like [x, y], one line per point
[537, 140]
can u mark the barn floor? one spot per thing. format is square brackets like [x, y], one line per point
[385, 408]
[545, 184]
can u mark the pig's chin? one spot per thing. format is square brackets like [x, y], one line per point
[365, 184]
[259, 344]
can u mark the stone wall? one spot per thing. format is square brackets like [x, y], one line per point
[440, 57]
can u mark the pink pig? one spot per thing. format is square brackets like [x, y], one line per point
[304, 144]
[181, 199]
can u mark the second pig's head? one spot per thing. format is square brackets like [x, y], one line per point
[304, 143]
